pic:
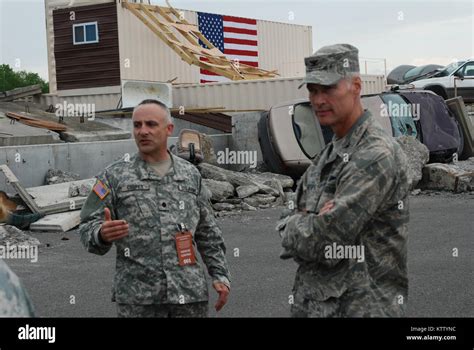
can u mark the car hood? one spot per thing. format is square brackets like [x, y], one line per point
[423, 82]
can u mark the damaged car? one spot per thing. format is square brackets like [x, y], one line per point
[290, 135]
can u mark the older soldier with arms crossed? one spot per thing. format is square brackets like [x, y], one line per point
[155, 209]
[353, 198]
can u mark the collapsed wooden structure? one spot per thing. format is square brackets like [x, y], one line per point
[167, 22]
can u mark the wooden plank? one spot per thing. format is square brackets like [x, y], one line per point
[44, 124]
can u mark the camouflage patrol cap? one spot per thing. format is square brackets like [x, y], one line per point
[330, 64]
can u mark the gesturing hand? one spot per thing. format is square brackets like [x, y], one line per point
[112, 230]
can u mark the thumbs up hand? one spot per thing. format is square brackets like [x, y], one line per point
[112, 230]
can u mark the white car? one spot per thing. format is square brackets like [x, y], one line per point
[443, 82]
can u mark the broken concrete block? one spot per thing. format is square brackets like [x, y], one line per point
[212, 172]
[251, 201]
[258, 199]
[234, 201]
[208, 149]
[247, 190]
[285, 181]
[220, 190]
[82, 189]
[223, 206]
[417, 154]
[12, 236]
[61, 222]
[264, 198]
[57, 176]
[209, 171]
[248, 207]
[437, 176]
[276, 184]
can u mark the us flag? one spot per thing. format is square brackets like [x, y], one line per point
[236, 37]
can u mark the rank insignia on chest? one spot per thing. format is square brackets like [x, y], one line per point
[101, 190]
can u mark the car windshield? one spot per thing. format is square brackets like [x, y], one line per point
[414, 72]
[306, 129]
[401, 115]
[450, 68]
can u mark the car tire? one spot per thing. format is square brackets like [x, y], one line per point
[438, 90]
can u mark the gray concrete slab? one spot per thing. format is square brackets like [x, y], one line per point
[13, 134]
[77, 131]
[87, 159]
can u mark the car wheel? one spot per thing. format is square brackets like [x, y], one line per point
[438, 90]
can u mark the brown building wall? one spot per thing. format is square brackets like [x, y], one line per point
[87, 65]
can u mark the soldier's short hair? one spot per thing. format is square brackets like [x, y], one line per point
[150, 101]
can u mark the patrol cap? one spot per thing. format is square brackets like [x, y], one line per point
[330, 64]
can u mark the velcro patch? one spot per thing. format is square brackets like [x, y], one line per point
[101, 190]
[134, 187]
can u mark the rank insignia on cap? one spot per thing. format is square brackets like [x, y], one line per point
[101, 190]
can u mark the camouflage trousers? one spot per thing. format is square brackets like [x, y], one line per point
[192, 310]
[353, 303]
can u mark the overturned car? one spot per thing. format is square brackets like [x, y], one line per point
[290, 134]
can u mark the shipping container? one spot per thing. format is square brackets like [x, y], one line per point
[255, 94]
[238, 95]
[129, 50]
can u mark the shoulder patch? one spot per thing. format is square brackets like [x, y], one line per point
[101, 190]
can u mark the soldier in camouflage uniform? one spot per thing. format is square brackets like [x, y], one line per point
[142, 204]
[14, 301]
[354, 195]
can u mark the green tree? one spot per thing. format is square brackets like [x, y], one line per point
[9, 79]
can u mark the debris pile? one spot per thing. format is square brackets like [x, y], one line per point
[237, 191]
[455, 177]
[57, 176]
[418, 156]
[12, 236]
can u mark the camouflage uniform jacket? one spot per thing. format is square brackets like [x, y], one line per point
[14, 301]
[147, 268]
[367, 179]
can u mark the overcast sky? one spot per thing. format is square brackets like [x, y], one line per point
[403, 32]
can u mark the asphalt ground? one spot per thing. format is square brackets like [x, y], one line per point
[69, 282]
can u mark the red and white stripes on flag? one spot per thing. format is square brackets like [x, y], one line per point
[236, 37]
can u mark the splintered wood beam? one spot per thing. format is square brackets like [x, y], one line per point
[166, 23]
[163, 37]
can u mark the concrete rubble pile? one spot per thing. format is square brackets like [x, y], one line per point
[457, 177]
[237, 191]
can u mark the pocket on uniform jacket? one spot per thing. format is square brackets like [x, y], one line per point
[132, 203]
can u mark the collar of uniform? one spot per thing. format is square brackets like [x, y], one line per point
[352, 138]
[147, 173]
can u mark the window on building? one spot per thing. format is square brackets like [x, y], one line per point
[85, 33]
